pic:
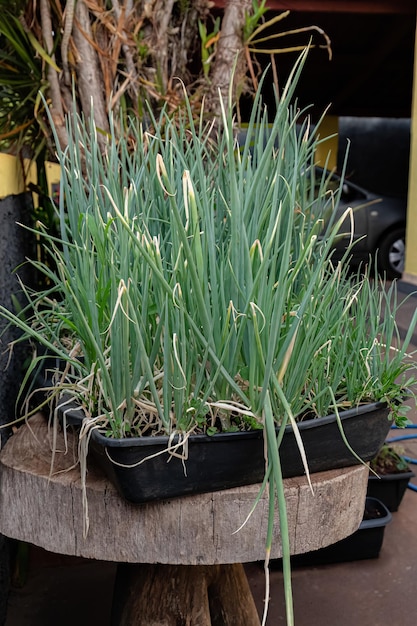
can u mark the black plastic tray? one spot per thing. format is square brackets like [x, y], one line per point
[143, 470]
[365, 543]
[389, 488]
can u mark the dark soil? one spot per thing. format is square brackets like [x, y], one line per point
[372, 511]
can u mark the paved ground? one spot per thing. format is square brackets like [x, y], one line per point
[63, 591]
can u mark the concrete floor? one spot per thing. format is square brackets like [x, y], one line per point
[63, 591]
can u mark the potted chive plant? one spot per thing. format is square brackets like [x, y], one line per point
[192, 297]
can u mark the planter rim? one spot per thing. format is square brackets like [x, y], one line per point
[255, 434]
[346, 414]
[386, 517]
[393, 475]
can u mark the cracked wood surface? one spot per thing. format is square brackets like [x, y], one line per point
[46, 510]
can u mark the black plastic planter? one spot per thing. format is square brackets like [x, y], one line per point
[389, 488]
[365, 543]
[143, 470]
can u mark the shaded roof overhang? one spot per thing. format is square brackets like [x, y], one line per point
[372, 67]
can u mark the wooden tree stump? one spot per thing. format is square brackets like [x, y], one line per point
[47, 510]
[194, 554]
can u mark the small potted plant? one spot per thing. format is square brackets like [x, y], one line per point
[191, 296]
[389, 476]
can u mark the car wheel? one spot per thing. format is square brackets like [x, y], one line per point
[391, 256]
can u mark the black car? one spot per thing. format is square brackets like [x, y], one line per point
[379, 222]
[379, 228]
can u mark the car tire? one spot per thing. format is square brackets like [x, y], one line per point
[391, 254]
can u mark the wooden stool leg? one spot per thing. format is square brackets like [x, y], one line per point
[230, 598]
[159, 595]
[183, 595]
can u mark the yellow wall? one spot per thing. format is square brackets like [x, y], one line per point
[329, 128]
[410, 273]
[13, 180]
